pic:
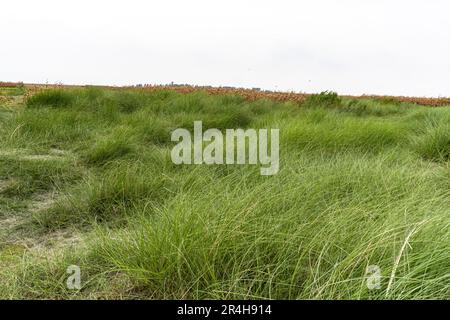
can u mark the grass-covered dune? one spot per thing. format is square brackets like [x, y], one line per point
[86, 179]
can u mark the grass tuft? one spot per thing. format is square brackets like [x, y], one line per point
[50, 98]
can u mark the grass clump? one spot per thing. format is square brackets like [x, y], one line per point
[434, 141]
[50, 98]
[107, 196]
[372, 108]
[128, 102]
[149, 128]
[109, 147]
[320, 130]
[26, 174]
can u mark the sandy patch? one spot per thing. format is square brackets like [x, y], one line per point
[23, 154]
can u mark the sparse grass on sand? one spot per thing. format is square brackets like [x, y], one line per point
[86, 179]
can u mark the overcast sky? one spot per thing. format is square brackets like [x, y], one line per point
[399, 47]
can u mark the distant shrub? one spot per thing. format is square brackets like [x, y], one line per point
[50, 98]
[324, 99]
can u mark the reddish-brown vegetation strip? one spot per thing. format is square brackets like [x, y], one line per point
[8, 84]
[249, 94]
[252, 94]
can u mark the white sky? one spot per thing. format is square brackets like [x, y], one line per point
[399, 47]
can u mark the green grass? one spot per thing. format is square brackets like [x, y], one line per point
[86, 178]
[11, 91]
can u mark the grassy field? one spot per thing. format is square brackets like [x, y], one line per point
[86, 179]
